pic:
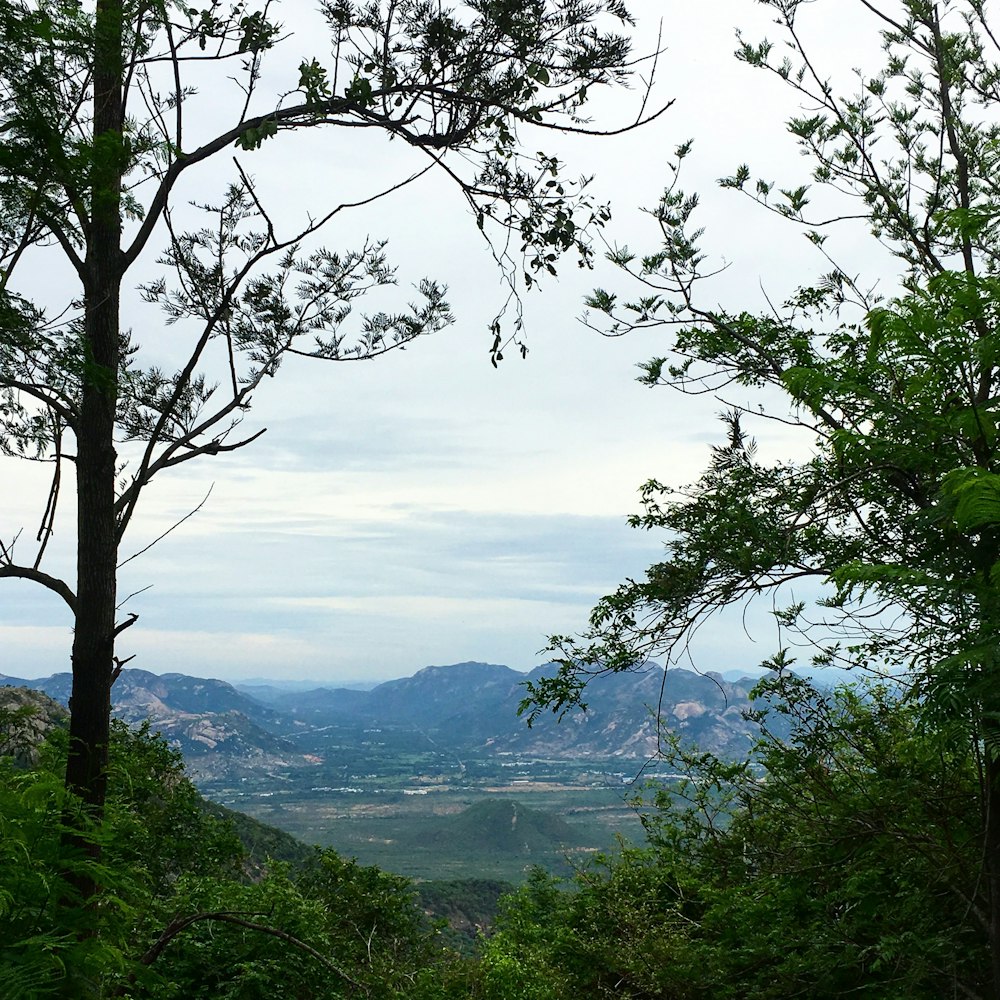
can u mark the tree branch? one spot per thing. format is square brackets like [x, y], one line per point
[180, 924]
[52, 583]
[177, 524]
[42, 394]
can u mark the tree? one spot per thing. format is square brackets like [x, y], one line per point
[100, 119]
[893, 503]
[840, 860]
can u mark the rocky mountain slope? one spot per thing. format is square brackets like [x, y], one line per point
[198, 715]
[472, 705]
[467, 706]
[26, 718]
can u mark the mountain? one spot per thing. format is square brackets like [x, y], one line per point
[440, 696]
[430, 698]
[198, 715]
[138, 689]
[474, 705]
[466, 706]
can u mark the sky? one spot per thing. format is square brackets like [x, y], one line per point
[424, 507]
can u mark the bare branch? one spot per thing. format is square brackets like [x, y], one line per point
[46, 528]
[128, 623]
[52, 583]
[177, 524]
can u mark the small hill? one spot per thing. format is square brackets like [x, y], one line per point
[499, 827]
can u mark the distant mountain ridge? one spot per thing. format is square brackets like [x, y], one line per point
[428, 699]
[197, 714]
[466, 705]
[475, 704]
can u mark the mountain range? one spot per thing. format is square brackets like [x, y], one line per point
[465, 706]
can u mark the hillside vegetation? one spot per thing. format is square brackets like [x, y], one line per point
[196, 903]
[832, 862]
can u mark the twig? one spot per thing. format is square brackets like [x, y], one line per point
[160, 538]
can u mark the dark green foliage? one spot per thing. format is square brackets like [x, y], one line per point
[841, 862]
[468, 906]
[155, 832]
[36, 953]
[161, 827]
[359, 926]
[185, 911]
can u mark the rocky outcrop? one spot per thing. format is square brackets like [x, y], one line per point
[27, 717]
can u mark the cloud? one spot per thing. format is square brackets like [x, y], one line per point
[427, 507]
[430, 586]
[408, 607]
[34, 650]
[194, 650]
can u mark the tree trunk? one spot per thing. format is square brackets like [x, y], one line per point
[991, 862]
[97, 545]
[93, 642]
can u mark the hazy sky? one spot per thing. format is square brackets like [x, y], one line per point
[424, 507]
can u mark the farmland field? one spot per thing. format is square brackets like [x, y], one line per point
[395, 799]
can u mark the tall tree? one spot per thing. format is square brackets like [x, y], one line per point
[894, 502]
[100, 119]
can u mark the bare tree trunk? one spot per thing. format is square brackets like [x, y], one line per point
[93, 643]
[991, 863]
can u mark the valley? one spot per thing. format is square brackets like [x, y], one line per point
[435, 776]
[396, 798]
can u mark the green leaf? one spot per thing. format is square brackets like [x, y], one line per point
[360, 92]
[976, 496]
